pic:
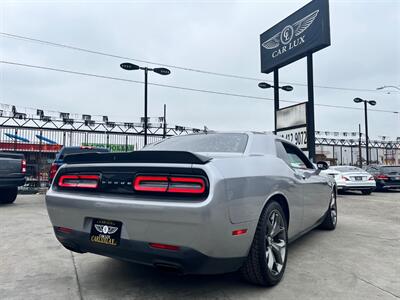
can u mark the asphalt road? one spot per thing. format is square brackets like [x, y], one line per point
[359, 260]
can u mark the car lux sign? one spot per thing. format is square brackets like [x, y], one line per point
[303, 32]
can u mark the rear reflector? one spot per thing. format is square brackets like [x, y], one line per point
[64, 229]
[239, 232]
[164, 246]
[79, 181]
[169, 184]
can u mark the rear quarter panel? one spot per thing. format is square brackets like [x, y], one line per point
[251, 181]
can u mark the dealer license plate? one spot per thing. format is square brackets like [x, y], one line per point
[106, 232]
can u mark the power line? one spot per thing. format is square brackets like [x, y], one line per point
[179, 87]
[49, 43]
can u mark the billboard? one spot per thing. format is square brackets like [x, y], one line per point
[292, 124]
[305, 31]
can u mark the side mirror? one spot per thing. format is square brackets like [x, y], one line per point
[322, 165]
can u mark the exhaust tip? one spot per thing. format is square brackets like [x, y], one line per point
[169, 268]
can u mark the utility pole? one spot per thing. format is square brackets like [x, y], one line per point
[165, 121]
[359, 146]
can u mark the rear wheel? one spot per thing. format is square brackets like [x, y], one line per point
[266, 261]
[8, 195]
[330, 220]
[366, 192]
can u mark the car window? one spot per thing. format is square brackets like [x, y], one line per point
[347, 169]
[210, 142]
[393, 170]
[296, 158]
[281, 152]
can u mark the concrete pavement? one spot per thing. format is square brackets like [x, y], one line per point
[359, 260]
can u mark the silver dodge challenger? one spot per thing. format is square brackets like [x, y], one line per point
[196, 204]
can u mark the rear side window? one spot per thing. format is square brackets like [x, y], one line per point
[210, 142]
[296, 158]
[391, 170]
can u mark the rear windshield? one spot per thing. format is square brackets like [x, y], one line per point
[210, 142]
[66, 151]
[347, 169]
[391, 169]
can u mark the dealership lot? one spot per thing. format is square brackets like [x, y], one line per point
[360, 260]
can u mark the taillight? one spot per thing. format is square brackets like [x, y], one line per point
[23, 166]
[151, 183]
[381, 176]
[79, 181]
[371, 178]
[345, 178]
[169, 184]
[53, 170]
[188, 185]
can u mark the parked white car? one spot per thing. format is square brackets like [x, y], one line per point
[351, 178]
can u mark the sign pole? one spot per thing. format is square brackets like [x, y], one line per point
[276, 95]
[310, 109]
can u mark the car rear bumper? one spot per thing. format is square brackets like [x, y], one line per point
[387, 185]
[357, 186]
[202, 229]
[185, 260]
[11, 182]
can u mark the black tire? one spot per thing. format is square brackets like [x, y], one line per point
[266, 261]
[366, 192]
[330, 220]
[8, 195]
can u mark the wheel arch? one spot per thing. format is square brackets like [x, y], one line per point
[283, 202]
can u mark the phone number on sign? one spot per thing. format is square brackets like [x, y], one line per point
[298, 138]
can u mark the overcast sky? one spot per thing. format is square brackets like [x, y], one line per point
[218, 36]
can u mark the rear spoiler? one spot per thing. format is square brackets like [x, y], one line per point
[162, 157]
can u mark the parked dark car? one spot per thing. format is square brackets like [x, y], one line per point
[386, 177]
[12, 175]
[59, 161]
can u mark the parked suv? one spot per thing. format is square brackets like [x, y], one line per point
[386, 177]
[12, 175]
[59, 161]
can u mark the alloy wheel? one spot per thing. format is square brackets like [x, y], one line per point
[333, 208]
[275, 242]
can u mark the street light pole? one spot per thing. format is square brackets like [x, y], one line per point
[161, 71]
[276, 87]
[370, 102]
[165, 121]
[146, 70]
[366, 132]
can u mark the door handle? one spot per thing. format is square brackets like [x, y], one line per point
[300, 176]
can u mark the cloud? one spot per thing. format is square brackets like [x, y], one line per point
[221, 37]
